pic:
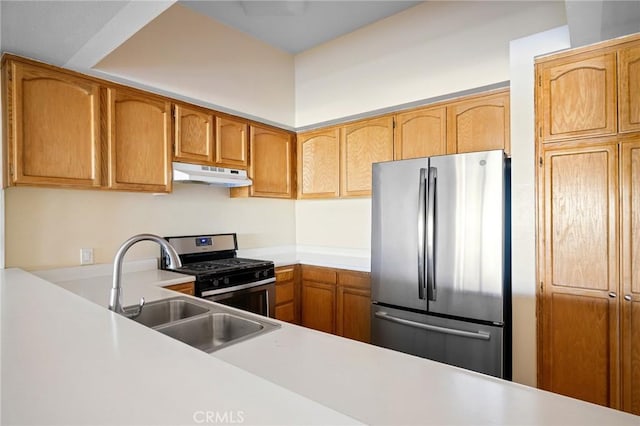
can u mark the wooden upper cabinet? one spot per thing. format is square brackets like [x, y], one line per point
[53, 127]
[193, 135]
[319, 164]
[231, 143]
[364, 143]
[577, 96]
[629, 87]
[479, 124]
[271, 165]
[579, 304]
[630, 234]
[421, 133]
[139, 141]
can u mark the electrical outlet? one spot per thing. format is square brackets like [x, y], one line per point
[86, 256]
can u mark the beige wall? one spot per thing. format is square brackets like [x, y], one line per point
[431, 49]
[194, 56]
[48, 227]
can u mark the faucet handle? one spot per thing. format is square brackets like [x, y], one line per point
[137, 311]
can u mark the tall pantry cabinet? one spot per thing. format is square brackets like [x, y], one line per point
[588, 153]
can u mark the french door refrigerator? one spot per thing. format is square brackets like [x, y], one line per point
[440, 259]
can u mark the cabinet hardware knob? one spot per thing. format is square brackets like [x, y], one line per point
[627, 298]
[612, 294]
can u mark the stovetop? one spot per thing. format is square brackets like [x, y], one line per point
[222, 266]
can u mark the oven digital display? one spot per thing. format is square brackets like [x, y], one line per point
[203, 241]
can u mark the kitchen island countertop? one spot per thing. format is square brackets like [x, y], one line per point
[68, 361]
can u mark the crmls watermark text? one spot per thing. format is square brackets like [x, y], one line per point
[215, 417]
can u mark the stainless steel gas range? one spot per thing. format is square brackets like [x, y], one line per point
[221, 276]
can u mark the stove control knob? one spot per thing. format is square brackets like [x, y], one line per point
[257, 274]
[226, 280]
[215, 283]
[265, 274]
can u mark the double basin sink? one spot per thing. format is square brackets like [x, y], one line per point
[201, 324]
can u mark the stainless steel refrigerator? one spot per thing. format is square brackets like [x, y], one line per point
[440, 259]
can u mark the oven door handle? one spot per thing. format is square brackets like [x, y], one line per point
[238, 287]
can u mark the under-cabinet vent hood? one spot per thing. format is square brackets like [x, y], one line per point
[211, 175]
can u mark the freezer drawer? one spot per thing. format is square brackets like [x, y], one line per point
[468, 345]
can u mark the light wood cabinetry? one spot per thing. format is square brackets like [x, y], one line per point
[53, 127]
[231, 142]
[579, 307]
[629, 87]
[319, 298]
[287, 294]
[479, 124]
[185, 288]
[353, 306]
[337, 301]
[569, 111]
[194, 141]
[589, 219]
[271, 163]
[139, 140]
[319, 164]
[364, 143]
[421, 133]
[630, 283]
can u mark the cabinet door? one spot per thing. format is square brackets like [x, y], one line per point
[577, 97]
[579, 305]
[271, 163]
[631, 276]
[54, 127]
[421, 133]
[353, 307]
[318, 306]
[629, 87]
[479, 124]
[139, 141]
[364, 143]
[194, 135]
[319, 164]
[287, 295]
[231, 143]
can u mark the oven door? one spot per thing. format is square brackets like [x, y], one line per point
[257, 297]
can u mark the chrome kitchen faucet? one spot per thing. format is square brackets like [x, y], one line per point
[115, 302]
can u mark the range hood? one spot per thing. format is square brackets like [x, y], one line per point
[211, 175]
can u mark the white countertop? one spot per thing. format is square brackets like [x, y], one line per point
[67, 361]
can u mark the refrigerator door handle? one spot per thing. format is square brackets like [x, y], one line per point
[422, 200]
[481, 335]
[431, 236]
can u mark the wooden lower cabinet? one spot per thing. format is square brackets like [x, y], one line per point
[337, 301]
[287, 295]
[186, 288]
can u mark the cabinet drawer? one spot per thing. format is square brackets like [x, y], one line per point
[323, 275]
[186, 288]
[284, 274]
[284, 292]
[354, 279]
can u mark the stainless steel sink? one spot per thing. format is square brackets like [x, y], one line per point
[214, 331]
[201, 324]
[167, 311]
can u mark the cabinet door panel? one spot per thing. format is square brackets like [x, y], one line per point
[271, 163]
[55, 121]
[421, 133]
[231, 142]
[579, 307]
[479, 124]
[629, 87]
[631, 276]
[364, 143]
[319, 164]
[139, 141]
[578, 97]
[354, 314]
[286, 312]
[194, 135]
[318, 306]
